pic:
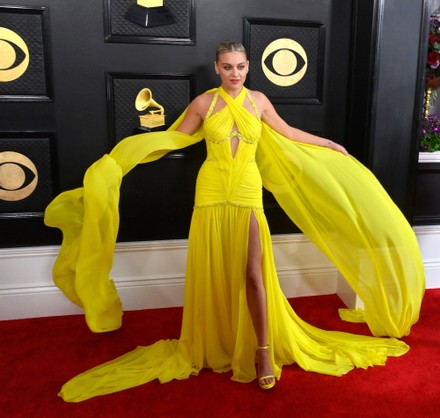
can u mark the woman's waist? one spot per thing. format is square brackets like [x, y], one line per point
[214, 172]
[214, 187]
[242, 197]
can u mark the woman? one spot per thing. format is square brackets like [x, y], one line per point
[235, 314]
[232, 66]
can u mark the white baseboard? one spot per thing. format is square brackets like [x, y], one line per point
[428, 238]
[152, 274]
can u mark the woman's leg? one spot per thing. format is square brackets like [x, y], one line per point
[256, 298]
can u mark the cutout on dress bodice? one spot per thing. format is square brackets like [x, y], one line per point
[235, 137]
[234, 140]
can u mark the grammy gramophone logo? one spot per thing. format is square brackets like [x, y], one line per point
[153, 118]
[150, 13]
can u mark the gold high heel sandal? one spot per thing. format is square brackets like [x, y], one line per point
[266, 386]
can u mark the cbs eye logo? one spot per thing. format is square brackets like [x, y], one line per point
[14, 55]
[284, 62]
[18, 176]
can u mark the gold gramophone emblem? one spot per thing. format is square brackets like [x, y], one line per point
[153, 118]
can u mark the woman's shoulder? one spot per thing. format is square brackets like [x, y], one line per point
[203, 100]
[200, 104]
[260, 100]
[258, 95]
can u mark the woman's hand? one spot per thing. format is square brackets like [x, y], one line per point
[334, 146]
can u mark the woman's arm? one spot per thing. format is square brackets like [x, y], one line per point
[270, 116]
[195, 114]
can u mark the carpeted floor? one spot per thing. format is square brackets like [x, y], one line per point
[39, 355]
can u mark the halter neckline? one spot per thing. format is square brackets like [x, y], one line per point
[242, 93]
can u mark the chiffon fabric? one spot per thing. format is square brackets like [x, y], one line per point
[332, 198]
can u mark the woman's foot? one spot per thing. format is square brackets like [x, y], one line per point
[266, 378]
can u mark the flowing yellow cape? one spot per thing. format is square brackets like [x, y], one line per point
[336, 201]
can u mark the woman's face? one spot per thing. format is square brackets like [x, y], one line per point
[232, 68]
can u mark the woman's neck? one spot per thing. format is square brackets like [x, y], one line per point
[233, 92]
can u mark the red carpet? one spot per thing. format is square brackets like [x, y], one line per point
[39, 355]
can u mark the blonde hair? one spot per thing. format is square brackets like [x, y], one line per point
[229, 46]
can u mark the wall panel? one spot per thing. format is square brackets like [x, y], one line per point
[357, 104]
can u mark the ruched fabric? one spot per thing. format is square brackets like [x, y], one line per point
[335, 201]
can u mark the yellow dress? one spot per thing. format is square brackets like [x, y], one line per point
[335, 200]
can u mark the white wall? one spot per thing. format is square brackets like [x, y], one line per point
[152, 274]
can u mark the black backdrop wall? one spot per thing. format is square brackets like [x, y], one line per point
[79, 100]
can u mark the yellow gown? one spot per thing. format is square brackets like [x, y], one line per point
[333, 198]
